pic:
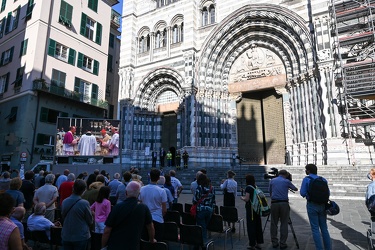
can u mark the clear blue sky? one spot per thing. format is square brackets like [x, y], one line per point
[118, 7]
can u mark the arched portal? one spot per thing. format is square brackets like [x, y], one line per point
[252, 57]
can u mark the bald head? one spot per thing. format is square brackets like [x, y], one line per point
[132, 189]
[161, 180]
[19, 213]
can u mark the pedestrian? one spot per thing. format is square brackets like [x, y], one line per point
[77, 219]
[185, 158]
[154, 156]
[14, 187]
[178, 160]
[280, 210]
[47, 194]
[17, 216]
[38, 222]
[38, 179]
[101, 209]
[28, 190]
[66, 188]
[92, 193]
[205, 199]
[62, 178]
[126, 221]
[176, 185]
[194, 184]
[155, 198]
[113, 185]
[10, 234]
[253, 219]
[316, 212]
[162, 155]
[121, 189]
[168, 184]
[169, 159]
[371, 191]
[4, 181]
[161, 183]
[229, 186]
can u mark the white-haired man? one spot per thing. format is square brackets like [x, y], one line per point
[47, 194]
[170, 198]
[38, 222]
[127, 220]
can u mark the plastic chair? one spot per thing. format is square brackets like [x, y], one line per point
[172, 216]
[170, 232]
[216, 225]
[56, 236]
[146, 245]
[178, 207]
[96, 241]
[187, 207]
[192, 235]
[187, 219]
[230, 215]
[39, 237]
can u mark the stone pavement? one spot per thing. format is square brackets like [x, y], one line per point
[347, 229]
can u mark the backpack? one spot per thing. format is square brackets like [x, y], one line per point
[370, 203]
[318, 190]
[259, 202]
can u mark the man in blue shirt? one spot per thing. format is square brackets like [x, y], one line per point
[280, 209]
[316, 212]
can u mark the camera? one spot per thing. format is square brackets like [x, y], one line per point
[275, 173]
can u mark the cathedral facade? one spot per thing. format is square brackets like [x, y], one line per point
[222, 78]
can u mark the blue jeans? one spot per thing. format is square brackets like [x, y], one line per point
[75, 245]
[203, 218]
[318, 222]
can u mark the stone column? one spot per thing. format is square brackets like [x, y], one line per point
[152, 45]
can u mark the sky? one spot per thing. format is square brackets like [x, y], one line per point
[118, 7]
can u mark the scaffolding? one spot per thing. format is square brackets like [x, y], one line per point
[353, 34]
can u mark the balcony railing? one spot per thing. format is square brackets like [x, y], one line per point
[63, 92]
[115, 19]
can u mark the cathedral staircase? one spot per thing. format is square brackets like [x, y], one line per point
[346, 182]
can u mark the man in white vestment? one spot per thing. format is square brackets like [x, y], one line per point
[87, 144]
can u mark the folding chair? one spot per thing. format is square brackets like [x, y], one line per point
[170, 232]
[146, 245]
[178, 207]
[187, 207]
[173, 216]
[96, 241]
[187, 219]
[39, 238]
[192, 235]
[230, 215]
[56, 236]
[216, 225]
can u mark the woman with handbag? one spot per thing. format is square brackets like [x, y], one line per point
[229, 186]
[204, 198]
[253, 219]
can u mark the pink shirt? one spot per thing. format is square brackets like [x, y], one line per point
[6, 229]
[101, 210]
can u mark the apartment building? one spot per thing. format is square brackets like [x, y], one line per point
[54, 56]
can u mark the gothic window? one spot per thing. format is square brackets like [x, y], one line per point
[144, 44]
[204, 16]
[157, 40]
[175, 33]
[164, 38]
[212, 14]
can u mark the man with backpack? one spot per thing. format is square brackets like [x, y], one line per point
[315, 189]
[280, 209]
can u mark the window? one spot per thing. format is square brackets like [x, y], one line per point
[91, 29]
[2, 26]
[29, 10]
[13, 114]
[144, 44]
[3, 4]
[212, 14]
[58, 78]
[43, 139]
[66, 12]
[61, 52]
[50, 115]
[110, 63]
[177, 33]
[23, 48]
[12, 20]
[93, 4]
[208, 15]
[4, 80]
[88, 64]
[111, 40]
[6, 56]
[19, 77]
[88, 91]
[204, 16]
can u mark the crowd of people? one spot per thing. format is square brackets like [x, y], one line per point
[128, 210]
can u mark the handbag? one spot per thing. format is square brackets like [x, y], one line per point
[193, 209]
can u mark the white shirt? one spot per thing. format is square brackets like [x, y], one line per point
[230, 185]
[176, 184]
[39, 223]
[153, 197]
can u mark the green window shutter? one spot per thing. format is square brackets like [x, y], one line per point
[43, 115]
[51, 47]
[3, 22]
[9, 19]
[72, 57]
[6, 82]
[98, 38]
[110, 62]
[69, 13]
[23, 49]
[66, 12]
[96, 67]
[2, 58]
[29, 10]
[11, 54]
[94, 91]
[83, 25]
[77, 84]
[62, 10]
[3, 4]
[93, 4]
[16, 19]
[80, 60]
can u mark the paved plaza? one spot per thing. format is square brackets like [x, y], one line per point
[348, 229]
